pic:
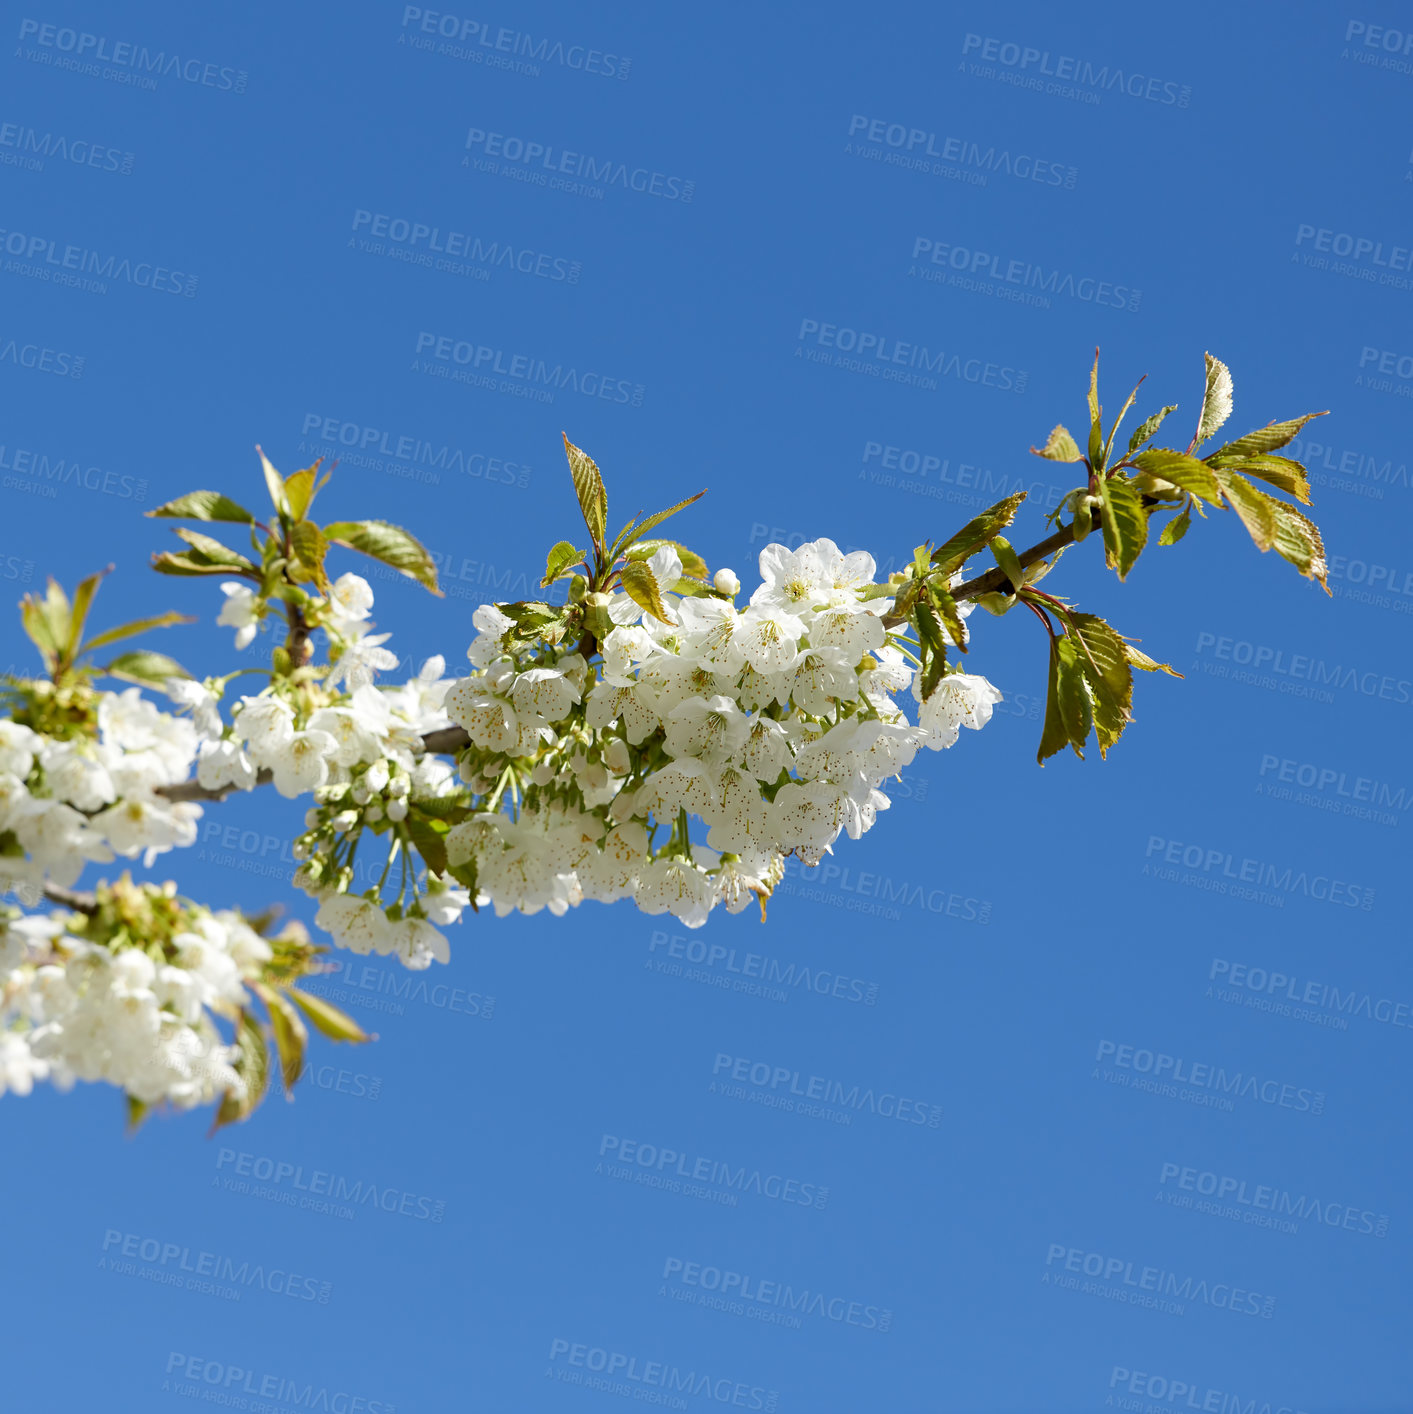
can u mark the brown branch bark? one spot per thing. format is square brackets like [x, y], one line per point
[74, 899]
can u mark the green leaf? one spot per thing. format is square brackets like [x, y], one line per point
[1076, 710]
[1008, 562]
[78, 615]
[531, 614]
[1149, 427]
[1253, 506]
[1288, 475]
[326, 1018]
[144, 668]
[137, 626]
[1053, 735]
[1298, 540]
[692, 563]
[653, 521]
[208, 551]
[37, 625]
[641, 586]
[300, 490]
[1096, 430]
[945, 608]
[274, 483]
[204, 505]
[1182, 471]
[1124, 522]
[691, 588]
[1118, 421]
[559, 560]
[1142, 661]
[589, 488]
[1176, 528]
[975, 534]
[1059, 446]
[137, 1112]
[185, 562]
[430, 838]
[1216, 398]
[311, 547]
[389, 543]
[1106, 668]
[57, 613]
[291, 1035]
[253, 1066]
[1265, 439]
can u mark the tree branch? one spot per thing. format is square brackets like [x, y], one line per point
[73, 899]
[449, 741]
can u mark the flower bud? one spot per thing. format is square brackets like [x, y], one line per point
[616, 757]
[376, 777]
[726, 582]
[397, 809]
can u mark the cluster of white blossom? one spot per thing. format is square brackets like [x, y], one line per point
[71, 1009]
[68, 801]
[773, 724]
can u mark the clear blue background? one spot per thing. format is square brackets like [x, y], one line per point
[502, 1117]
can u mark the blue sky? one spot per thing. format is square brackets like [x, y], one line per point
[727, 226]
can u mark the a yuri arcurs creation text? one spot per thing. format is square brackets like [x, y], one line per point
[652, 738]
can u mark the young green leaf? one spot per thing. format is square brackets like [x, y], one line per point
[973, 536]
[78, 614]
[1008, 562]
[389, 543]
[429, 836]
[189, 562]
[1141, 660]
[144, 668]
[274, 483]
[300, 489]
[310, 548]
[1053, 735]
[1265, 439]
[209, 551]
[1216, 398]
[1096, 429]
[1297, 539]
[589, 488]
[253, 1067]
[1118, 421]
[945, 607]
[561, 558]
[1182, 471]
[137, 1113]
[1076, 710]
[1059, 446]
[291, 1034]
[1176, 528]
[204, 505]
[326, 1018]
[1253, 506]
[1107, 670]
[653, 521]
[1149, 427]
[1288, 475]
[1125, 523]
[131, 630]
[641, 586]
